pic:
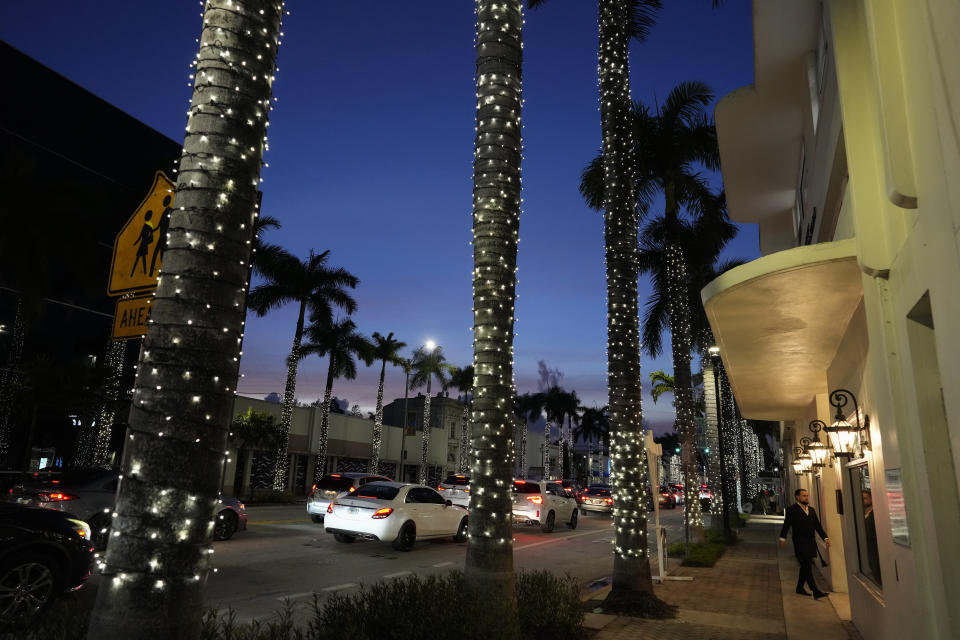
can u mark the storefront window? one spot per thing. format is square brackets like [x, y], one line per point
[863, 522]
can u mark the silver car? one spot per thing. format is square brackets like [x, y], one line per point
[91, 495]
[456, 489]
[333, 485]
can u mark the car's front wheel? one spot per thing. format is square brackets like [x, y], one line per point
[461, 535]
[550, 523]
[407, 536]
[573, 520]
[28, 583]
[342, 537]
[226, 525]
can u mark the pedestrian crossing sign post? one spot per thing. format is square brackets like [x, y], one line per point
[137, 257]
[138, 248]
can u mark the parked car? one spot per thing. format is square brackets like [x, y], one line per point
[456, 489]
[396, 512]
[42, 553]
[333, 485]
[543, 503]
[597, 497]
[91, 494]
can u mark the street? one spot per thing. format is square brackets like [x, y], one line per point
[282, 555]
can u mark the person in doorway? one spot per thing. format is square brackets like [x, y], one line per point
[802, 518]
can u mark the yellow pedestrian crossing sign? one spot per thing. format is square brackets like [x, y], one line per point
[138, 248]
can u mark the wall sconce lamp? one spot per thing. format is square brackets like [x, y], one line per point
[847, 438]
[818, 450]
[802, 457]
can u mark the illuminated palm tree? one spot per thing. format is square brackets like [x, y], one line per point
[386, 350]
[462, 379]
[158, 559]
[428, 363]
[313, 286]
[340, 342]
[594, 427]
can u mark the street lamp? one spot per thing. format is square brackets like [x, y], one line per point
[805, 459]
[818, 451]
[844, 437]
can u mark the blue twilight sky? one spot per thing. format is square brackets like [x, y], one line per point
[371, 146]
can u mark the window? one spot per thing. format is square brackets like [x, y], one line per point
[868, 555]
[453, 429]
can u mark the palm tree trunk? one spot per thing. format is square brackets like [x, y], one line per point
[320, 466]
[632, 587]
[678, 292]
[545, 452]
[158, 558]
[286, 409]
[496, 222]
[401, 465]
[378, 424]
[425, 438]
[10, 380]
[464, 463]
[100, 455]
[522, 443]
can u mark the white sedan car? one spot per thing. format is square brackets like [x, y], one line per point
[396, 512]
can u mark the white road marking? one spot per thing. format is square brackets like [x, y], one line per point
[443, 564]
[398, 574]
[338, 587]
[294, 596]
[558, 539]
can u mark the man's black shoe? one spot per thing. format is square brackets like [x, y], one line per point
[819, 594]
[803, 591]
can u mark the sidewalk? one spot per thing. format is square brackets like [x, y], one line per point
[747, 595]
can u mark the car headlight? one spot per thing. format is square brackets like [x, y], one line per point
[81, 528]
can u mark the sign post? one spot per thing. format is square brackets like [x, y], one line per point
[137, 257]
[654, 452]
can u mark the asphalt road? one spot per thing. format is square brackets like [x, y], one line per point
[283, 555]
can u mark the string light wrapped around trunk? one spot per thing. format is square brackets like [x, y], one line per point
[159, 554]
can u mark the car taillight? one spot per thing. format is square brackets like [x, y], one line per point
[382, 513]
[330, 508]
[441, 488]
[351, 489]
[608, 500]
[313, 490]
[535, 499]
[48, 496]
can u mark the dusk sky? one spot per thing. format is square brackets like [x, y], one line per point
[371, 146]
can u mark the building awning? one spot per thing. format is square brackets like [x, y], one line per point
[778, 321]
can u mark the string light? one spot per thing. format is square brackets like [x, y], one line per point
[496, 214]
[115, 355]
[161, 543]
[10, 380]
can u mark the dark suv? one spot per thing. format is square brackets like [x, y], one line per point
[42, 553]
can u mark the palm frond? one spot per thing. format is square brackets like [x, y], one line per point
[643, 16]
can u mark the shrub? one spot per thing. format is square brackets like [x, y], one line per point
[717, 536]
[407, 608]
[63, 620]
[262, 496]
[701, 555]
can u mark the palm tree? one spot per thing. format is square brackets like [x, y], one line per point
[311, 284]
[340, 342]
[462, 379]
[498, 146]
[157, 561]
[670, 146]
[523, 407]
[558, 405]
[428, 363]
[407, 367]
[662, 382]
[594, 427]
[386, 349]
[569, 407]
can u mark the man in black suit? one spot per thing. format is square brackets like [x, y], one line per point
[802, 518]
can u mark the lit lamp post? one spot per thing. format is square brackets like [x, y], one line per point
[845, 438]
[724, 492]
[806, 460]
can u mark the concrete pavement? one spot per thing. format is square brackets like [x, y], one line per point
[748, 595]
